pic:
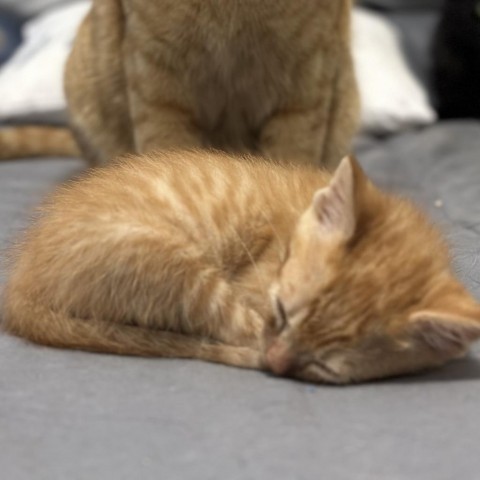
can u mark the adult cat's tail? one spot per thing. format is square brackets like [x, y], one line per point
[42, 325]
[37, 141]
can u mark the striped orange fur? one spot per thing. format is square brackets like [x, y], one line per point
[240, 261]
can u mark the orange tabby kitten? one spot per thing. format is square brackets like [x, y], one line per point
[269, 76]
[245, 262]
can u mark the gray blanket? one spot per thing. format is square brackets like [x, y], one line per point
[73, 415]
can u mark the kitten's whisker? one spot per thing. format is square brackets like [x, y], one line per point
[282, 247]
[262, 280]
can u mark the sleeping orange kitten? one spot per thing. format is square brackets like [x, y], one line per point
[245, 262]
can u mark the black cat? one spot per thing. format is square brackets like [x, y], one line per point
[457, 60]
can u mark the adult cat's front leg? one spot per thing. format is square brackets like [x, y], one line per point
[295, 136]
[160, 110]
[312, 136]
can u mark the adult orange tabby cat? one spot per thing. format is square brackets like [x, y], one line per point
[244, 262]
[268, 76]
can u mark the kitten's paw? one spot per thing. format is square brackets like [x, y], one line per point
[243, 357]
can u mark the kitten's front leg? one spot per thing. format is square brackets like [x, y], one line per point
[211, 308]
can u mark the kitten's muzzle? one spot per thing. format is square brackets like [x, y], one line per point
[279, 358]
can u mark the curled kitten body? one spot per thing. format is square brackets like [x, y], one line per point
[244, 262]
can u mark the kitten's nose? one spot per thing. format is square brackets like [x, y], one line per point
[279, 357]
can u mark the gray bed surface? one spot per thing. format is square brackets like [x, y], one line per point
[74, 415]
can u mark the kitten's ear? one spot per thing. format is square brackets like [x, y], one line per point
[444, 332]
[334, 205]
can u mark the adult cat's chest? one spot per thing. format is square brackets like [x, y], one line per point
[238, 82]
[235, 65]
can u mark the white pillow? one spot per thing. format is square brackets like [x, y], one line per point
[392, 98]
[31, 82]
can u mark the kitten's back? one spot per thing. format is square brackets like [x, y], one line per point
[200, 199]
